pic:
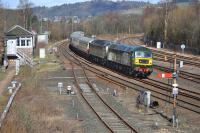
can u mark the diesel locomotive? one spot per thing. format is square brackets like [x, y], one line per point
[129, 59]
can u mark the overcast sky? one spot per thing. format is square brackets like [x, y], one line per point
[49, 3]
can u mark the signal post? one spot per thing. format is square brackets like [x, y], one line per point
[175, 93]
[173, 75]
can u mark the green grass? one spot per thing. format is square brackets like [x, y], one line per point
[49, 63]
[48, 67]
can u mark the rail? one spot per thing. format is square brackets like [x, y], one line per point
[103, 105]
[184, 93]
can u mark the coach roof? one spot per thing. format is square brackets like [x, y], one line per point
[125, 47]
[86, 39]
[77, 34]
[80, 36]
[102, 43]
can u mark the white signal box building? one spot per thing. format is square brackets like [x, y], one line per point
[19, 44]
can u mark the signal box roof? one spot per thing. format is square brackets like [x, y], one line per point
[18, 31]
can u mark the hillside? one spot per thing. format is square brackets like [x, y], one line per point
[89, 8]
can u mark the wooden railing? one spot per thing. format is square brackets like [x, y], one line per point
[28, 60]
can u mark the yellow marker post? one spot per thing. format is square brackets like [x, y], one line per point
[165, 58]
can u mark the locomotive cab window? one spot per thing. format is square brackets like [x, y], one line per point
[143, 54]
[147, 54]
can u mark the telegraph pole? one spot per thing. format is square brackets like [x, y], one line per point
[72, 24]
[41, 28]
[166, 23]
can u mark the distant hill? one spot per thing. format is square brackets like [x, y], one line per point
[89, 8]
[181, 1]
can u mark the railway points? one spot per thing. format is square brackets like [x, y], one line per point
[100, 66]
[74, 113]
[86, 67]
[104, 74]
[197, 102]
[162, 54]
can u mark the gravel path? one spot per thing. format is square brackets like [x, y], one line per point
[6, 81]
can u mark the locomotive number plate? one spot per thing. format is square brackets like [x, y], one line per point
[144, 61]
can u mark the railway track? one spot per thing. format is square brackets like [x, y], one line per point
[187, 99]
[169, 57]
[182, 74]
[185, 92]
[160, 56]
[108, 116]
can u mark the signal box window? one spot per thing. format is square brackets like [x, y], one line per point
[18, 42]
[22, 42]
[28, 42]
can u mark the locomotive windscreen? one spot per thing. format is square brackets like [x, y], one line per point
[143, 54]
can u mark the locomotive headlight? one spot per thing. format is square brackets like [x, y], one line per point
[150, 61]
[136, 61]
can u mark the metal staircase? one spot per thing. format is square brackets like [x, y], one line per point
[24, 57]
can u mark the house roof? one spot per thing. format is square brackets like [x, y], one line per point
[18, 31]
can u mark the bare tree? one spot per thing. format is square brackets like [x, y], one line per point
[1, 20]
[25, 7]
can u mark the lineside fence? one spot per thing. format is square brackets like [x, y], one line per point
[7, 108]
